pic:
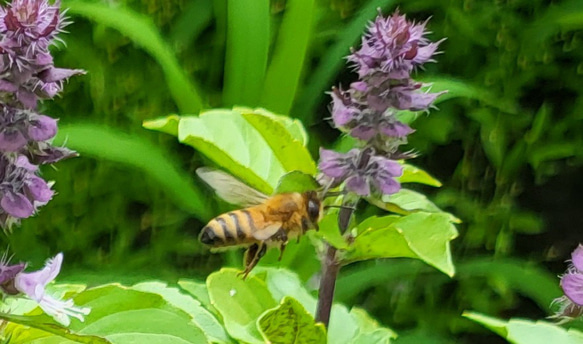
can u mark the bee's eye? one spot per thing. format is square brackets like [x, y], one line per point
[313, 210]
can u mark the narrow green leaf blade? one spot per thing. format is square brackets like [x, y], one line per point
[285, 68]
[290, 323]
[140, 29]
[521, 331]
[248, 38]
[421, 235]
[107, 143]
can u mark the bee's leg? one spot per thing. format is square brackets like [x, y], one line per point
[252, 256]
[281, 235]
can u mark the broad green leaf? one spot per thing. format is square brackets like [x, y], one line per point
[281, 283]
[110, 144]
[248, 39]
[287, 62]
[198, 291]
[289, 151]
[168, 124]
[123, 315]
[290, 323]
[240, 303]
[226, 138]
[408, 201]
[420, 235]
[521, 331]
[23, 333]
[296, 181]
[140, 29]
[322, 77]
[412, 174]
[369, 330]
[200, 316]
[330, 232]
[293, 126]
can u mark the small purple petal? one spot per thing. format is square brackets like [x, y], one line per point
[363, 132]
[28, 99]
[359, 86]
[11, 140]
[7, 86]
[39, 189]
[332, 164]
[572, 284]
[390, 167]
[42, 128]
[388, 186]
[8, 272]
[577, 258]
[16, 205]
[396, 129]
[358, 185]
[22, 162]
[43, 59]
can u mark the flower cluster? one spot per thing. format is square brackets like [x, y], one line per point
[27, 74]
[13, 281]
[391, 50]
[571, 304]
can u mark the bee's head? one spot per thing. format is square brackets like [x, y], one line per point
[314, 205]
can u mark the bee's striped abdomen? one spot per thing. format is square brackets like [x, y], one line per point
[228, 229]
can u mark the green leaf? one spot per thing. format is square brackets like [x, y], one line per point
[330, 232]
[40, 323]
[287, 62]
[321, 78]
[110, 144]
[248, 38]
[226, 138]
[408, 201]
[199, 291]
[282, 283]
[520, 331]
[296, 181]
[369, 330]
[290, 323]
[123, 315]
[292, 153]
[140, 29]
[421, 235]
[240, 303]
[412, 174]
[200, 316]
[168, 124]
[293, 126]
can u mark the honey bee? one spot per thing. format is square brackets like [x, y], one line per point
[264, 222]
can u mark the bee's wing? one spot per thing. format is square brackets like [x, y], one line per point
[230, 188]
[268, 231]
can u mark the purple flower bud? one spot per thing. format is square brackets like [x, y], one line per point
[39, 189]
[343, 110]
[16, 205]
[11, 140]
[571, 304]
[42, 128]
[572, 284]
[577, 258]
[8, 272]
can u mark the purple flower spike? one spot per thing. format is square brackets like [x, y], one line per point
[577, 258]
[42, 128]
[571, 304]
[572, 284]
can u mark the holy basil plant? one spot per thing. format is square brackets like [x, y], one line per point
[268, 152]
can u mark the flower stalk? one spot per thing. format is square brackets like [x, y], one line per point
[391, 49]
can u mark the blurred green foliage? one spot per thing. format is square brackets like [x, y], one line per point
[503, 143]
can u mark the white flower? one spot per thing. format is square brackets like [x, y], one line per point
[33, 285]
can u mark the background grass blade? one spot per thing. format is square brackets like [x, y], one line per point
[107, 143]
[143, 32]
[248, 30]
[283, 74]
